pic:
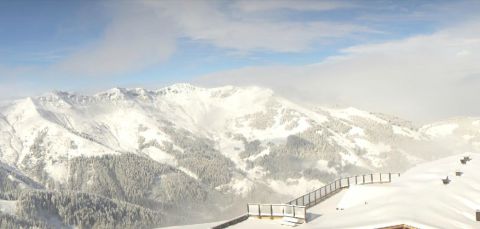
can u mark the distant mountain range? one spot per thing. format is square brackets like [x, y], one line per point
[142, 158]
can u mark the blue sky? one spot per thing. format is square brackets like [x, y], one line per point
[93, 45]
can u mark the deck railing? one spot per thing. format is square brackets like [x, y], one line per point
[296, 208]
[316, 196]
[277, 210]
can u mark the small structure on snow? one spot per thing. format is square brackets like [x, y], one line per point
[446, 180]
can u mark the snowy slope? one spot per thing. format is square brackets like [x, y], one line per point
[239, 141]
[461, 133]
[418, 198]
[41, 134]
[8, 206]
[250, 126]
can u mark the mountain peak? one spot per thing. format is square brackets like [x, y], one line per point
[178, 88]
[115, 93]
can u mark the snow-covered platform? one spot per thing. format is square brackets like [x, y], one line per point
[418, 198]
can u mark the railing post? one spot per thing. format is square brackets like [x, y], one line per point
[309, 198]
[348, 182]
[356, 179]
[305, 214]
[380, 177]
[389, 177]
[371, 178]
[259, 212]
[363, 178]
[293, 208]
[296, 201]
[271, 211]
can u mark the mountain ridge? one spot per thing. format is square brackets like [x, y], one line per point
[231, 142]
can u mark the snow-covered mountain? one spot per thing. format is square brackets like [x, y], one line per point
[208, 144]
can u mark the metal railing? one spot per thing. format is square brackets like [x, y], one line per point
[297, 208]
[314, 197]
[277, 210]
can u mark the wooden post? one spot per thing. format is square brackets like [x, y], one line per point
[316, 196]
[356, 179]
[371, 178]
[348, 182]
[390, 177]
[380, 177]
[293, 208]
[363, 178]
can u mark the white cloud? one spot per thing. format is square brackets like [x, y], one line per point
[421, 77]
[216, 24]
[136, 38]
[144, 33]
